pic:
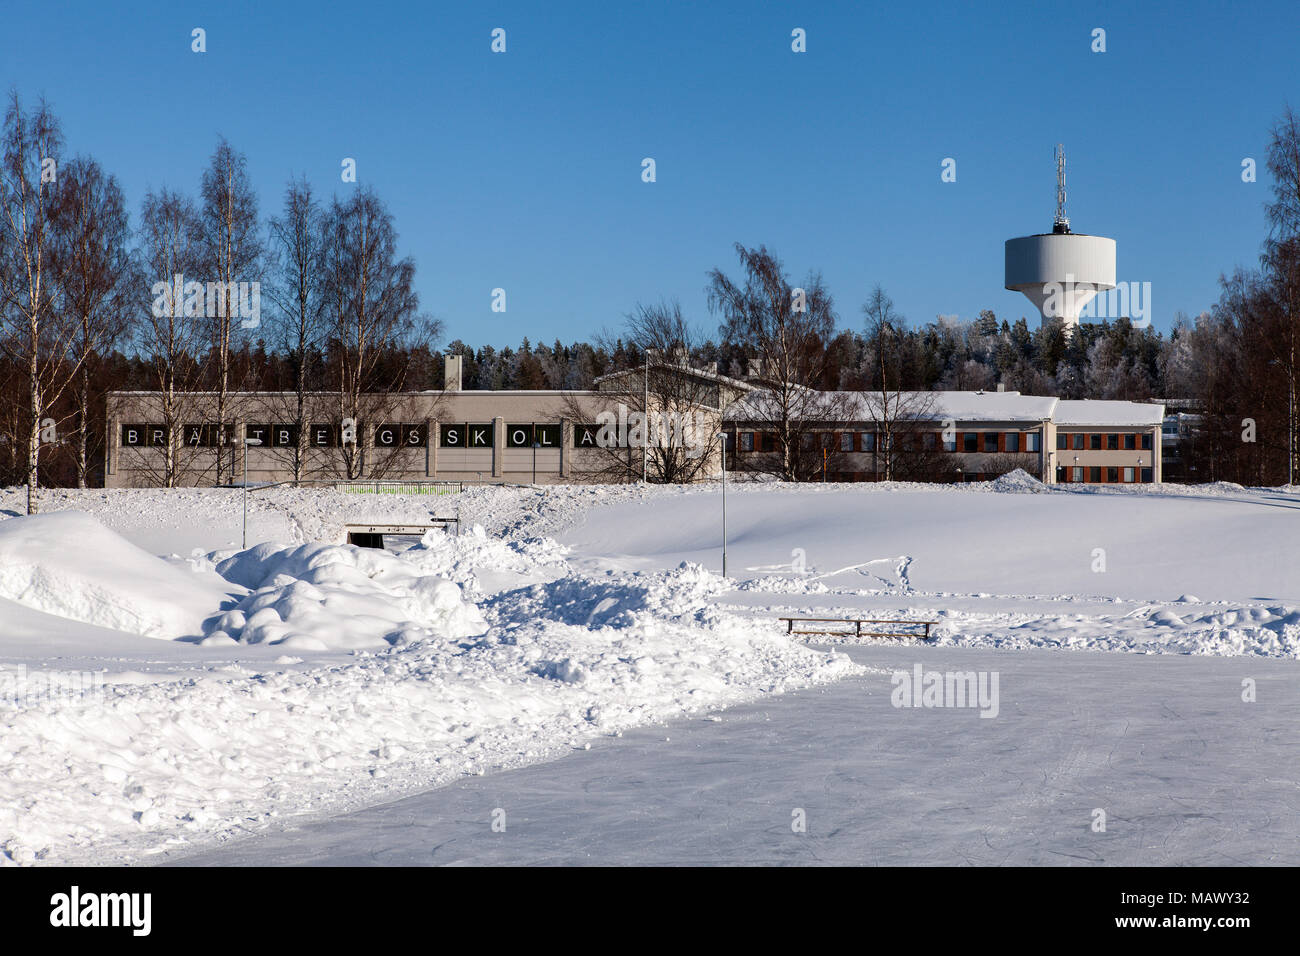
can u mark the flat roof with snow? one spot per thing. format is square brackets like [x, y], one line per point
[1101, 412]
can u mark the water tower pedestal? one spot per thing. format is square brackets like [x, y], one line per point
[1060, 272]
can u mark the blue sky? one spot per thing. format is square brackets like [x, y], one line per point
[523, 170]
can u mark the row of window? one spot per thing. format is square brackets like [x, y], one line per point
[1102, 476]
[388, 435]
[1102, 441]
[869, 442]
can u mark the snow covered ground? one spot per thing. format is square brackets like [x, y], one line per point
[162, 692]
[1186, 773]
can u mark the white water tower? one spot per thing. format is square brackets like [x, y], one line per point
[1060, 271]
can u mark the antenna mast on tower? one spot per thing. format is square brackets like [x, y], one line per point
[1062, 222]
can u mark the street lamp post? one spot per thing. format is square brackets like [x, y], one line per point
[645, 428]
[723, 437]
[248, 442]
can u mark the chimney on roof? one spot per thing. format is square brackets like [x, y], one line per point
[452, 376]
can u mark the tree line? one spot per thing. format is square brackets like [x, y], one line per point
[94, 299]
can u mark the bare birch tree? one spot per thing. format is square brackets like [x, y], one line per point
[896, 413]
[96, 279]
[297, 291]
[674, 410]
[372, 308]
[170, 245]
[232, 251]
[787, 329]
[1282, 265]
[30, 333]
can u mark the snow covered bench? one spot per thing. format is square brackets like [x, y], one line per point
[857, 623]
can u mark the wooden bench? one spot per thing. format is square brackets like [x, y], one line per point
[372, 535]
[857, 623]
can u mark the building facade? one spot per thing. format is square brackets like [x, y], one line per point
[969, 436]
[519, 437]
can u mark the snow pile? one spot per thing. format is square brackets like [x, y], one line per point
[69, 565]
[1017, 481]
[617, 599]
[435, 687]
[317, 597]
[481, 564]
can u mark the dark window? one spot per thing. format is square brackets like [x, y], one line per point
[284, 436]
[388, 435]
[1146, 441]
[930, 441]
[260, 433]
[1094, 442]
[866, 441]
[479, 436]
[133, 435]
[1061, 441]
[324, 436]
[846, 441]
[1033, 441]
[451, 436]
[970, 441]
[1094, 474]
[519, 436]
[585, 435]
[1130, 441]
[746, 441]
[1147, 475]
[1112, 442]
[415, 436]
[1112, 474]
[990, 441]
[1013, 441]
[1079, 440]
[200, 436]
[1078, 474]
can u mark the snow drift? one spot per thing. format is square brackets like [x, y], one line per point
[466, 654]
[338, 597]
[69, 565]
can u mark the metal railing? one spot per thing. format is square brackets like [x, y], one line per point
[368, 486]
[381, 487]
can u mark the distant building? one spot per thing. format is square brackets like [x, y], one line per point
[975, 436]
[571, 436]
